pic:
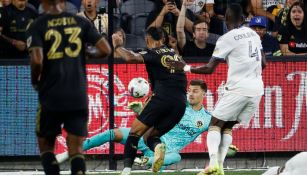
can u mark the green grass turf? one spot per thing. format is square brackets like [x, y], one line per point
[194, 173]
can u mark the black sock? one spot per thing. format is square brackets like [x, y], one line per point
[50, 165]
[152, 142]
[77, 164]
[130, 149]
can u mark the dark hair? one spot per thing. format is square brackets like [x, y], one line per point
[155, 33]
[200, 83]
[198, 22]
[236, 12]
[289, 24]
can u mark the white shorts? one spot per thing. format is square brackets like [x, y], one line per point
[234, 107]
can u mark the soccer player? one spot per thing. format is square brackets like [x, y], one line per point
[241, 49]
[56, 43]
[167, 104]
[295, 166]
[194, 122]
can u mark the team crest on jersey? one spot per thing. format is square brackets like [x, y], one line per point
[199, 124]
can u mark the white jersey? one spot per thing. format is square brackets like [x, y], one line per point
[100, 22]
[241, 48]
[295, 166]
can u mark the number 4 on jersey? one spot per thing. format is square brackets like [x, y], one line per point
[251, 53]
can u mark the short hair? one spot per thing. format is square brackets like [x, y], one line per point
[198, 22]
[236, 12]
[156, 33]
[200, 83]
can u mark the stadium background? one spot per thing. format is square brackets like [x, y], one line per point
[279, 127]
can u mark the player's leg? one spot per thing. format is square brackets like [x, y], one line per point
[47, 128]
[226, 140]
[174, 113]
[118, 135]
[227, 109]
[104, 137]
[140, 125]
[138, 128]
[248, 108]
[213, 142]
[75, 123]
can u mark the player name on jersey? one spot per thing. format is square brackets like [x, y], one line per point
[63, 21]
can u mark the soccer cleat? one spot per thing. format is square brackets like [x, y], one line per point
[158, 157]
[62, 157]
[211, 171]
[141, 161]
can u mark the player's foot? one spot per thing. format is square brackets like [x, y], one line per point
[141, 161]
[126, 171]
[158, 157]
[215, 170]
[62, 157]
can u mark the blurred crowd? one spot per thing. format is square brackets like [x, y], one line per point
[192, 26]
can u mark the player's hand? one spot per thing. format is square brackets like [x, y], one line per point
[135, 106]
[176, 65]
[20, 45]
[232, 150]
[117, 40]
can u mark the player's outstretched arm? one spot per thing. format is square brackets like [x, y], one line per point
[123, 53]
[204, 69]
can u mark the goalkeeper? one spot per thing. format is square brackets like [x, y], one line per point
[194, 122]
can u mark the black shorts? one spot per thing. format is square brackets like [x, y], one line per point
[162, 113]
[49, 123]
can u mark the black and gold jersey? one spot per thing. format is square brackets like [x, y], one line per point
[163, 79]
[62, 37]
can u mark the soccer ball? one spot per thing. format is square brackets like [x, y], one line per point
[138, 87]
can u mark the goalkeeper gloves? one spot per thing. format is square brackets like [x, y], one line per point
[136, 107]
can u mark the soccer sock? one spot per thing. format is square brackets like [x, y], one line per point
[152, 142]
[213, 142]
[130, 149]
[50, 165]
[77, 164]
[99, 139]
[224, 146]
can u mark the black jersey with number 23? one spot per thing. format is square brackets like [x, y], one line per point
[62, 37]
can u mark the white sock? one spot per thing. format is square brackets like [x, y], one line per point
[223, 148]
[213, 142]
[126, 170]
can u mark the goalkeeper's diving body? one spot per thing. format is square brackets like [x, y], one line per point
[194, 122]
